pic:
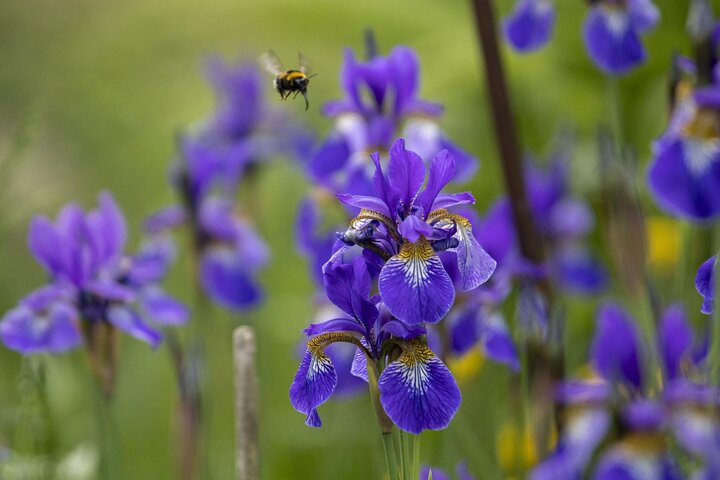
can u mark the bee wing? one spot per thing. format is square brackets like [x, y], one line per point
[304, 65]
[271, 63]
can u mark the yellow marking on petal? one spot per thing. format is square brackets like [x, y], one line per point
[705, 125]
[644, 442]
[467, 367]
[414, 257]
[664, 242]
[414, 359]
[683, 90]
[317, 345]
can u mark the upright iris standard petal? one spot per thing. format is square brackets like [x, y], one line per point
[417, 391]
[406, 174]
[705, 284]
[45, 244]
[314, 383]
[442, 171]
[530, 25]
[225, 278]
[615, 346]
[415, 286]
[611, 38]
[684, 178]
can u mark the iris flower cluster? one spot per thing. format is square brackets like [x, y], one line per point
[93, 284]
[381, 103]
[407, 242]
[625, 421]
[611, 30]
[214, 159]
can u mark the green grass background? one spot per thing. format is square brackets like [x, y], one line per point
[91, 96]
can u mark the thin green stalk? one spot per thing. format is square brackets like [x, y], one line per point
[403, 455]
[108, 441]
[616, 124]
[524, 411]
[390, 456]
[684, 260]
[415, 456]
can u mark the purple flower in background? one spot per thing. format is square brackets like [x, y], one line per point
[705, 284]
[612, 31]
[530, 24]
[381, 103]
[214, 160]
[92, 283]
[681, 409]
[230, 252]
[565, 223]
[684, 176]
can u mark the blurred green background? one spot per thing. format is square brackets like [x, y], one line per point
[91, 96]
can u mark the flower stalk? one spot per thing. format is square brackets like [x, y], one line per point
[549, 366]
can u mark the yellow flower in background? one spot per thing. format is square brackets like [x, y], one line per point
[664, 242]
[515, 448]
[468, 366]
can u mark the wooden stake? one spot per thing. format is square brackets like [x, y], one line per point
[247, 460]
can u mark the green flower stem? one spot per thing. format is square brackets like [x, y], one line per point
[387, 430]
[390, 457]
[107, 436]
[415, 439]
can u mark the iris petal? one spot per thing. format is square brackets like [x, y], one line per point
[314, 382]
[684, 178]
[417, 391]
[415, 286]
[705, 284]
[611, 40]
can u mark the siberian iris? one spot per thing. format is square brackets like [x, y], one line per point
[398, 238]
[612, 31]
[93, 283]
[684, 176]
[643, 417]
[530, 24]
[381, 103]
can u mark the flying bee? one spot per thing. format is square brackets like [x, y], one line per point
[288, 81]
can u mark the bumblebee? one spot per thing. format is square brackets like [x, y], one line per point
[288, 81]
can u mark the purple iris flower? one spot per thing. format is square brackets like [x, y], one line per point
[408, 227]
[612, 31]
[705, 284]
[565, 223]
[416, 389]
[381, 103]
[684, 176]
[230, 252]
[530, 25]
[681, 409]
[396, 238]
[92, 282]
